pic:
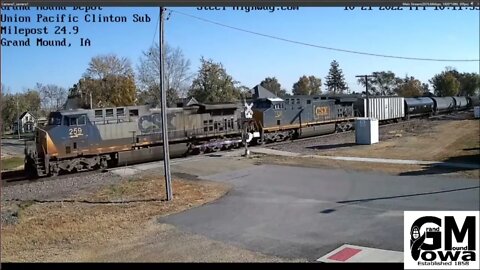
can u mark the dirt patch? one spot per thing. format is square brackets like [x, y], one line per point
[64, 231]
[394, 169]
[420, 139]
[457, 140]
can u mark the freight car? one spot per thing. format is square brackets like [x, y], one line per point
[381, 108]
[79, 140]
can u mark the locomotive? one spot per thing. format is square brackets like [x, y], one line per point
[82, 139]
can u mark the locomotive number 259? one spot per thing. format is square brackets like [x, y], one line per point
[75, 132]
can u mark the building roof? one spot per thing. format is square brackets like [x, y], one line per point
[24, 113]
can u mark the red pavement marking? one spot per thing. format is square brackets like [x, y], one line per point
[344, 254]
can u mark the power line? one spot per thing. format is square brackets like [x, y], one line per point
[324, 47]
[155, 33]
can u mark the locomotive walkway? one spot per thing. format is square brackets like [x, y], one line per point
[267, 151]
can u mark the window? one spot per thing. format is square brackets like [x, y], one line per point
[73, 121]
[133, 112]
[98, 113]
[55, 119]
[120, 112]
[278, 122]
[298, 101]
[109, 112]
[309, 101]
[82, 120]
[74, 145]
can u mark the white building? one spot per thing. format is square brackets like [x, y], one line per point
[27, 123]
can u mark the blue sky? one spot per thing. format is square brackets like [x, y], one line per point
[451, 34]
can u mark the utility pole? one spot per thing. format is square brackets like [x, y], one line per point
[163, 96]
[18, 120]
[91, 101]
[367, 111]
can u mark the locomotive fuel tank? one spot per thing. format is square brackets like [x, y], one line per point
[316, 130]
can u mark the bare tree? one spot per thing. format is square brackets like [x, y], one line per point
[177, 73]
[52, 96]
[102, 66]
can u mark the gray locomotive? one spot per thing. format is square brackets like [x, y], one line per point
[79, 140]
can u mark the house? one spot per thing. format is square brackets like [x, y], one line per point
[27, 123]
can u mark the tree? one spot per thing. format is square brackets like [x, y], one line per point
[335, 82]
[177, 74]
[307, 86]
[469, 82]
[108, 81]
[52, 96]
[425, 88]
[384, 83]
[15, 104]
[245, 92]
[110, 91]
[31, 102]
[445, 84]
[213, 84]
[410, 87]
[272, 85]
[101, 66]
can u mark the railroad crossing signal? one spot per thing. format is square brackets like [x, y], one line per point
[248, 110]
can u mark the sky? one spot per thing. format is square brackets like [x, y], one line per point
[249, 58]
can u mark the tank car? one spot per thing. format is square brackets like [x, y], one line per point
[420, 106]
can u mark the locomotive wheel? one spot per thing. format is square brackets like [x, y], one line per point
[54, 170]
[103, 164]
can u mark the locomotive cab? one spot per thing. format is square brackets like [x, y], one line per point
[68, 133]
[65, 135]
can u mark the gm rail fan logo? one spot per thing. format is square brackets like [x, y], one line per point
[441, 240]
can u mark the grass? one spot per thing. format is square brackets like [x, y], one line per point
[11, 163]
[59, 231]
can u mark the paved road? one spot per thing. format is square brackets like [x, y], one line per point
[12, 147]
[297, 212]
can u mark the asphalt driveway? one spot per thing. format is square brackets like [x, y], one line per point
[295, 212]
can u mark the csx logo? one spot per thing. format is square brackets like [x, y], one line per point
[278, 114]
[321, 111]
[441, 240]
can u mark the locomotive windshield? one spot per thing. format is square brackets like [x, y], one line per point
[55, 119]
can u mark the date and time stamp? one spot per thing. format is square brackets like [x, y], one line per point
[407, 6]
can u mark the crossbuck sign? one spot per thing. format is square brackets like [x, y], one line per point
[248, 110]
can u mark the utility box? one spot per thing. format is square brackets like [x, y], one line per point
[366, 130]
[476, 111]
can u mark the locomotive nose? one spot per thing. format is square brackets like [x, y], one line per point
[45, 143]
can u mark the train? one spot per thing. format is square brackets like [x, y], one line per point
[87, 139]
